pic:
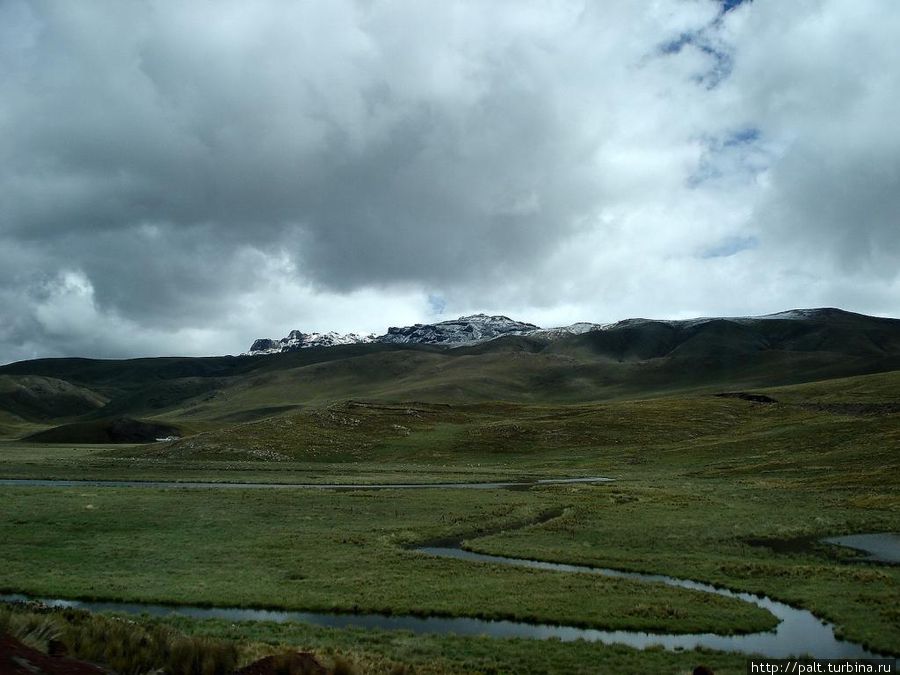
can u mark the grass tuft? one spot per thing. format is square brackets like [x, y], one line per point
[127, 647]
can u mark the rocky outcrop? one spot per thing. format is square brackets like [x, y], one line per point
[297, 340]
[465, 329]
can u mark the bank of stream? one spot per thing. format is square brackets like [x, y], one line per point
[798, 633]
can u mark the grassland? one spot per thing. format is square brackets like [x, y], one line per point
[717, 489]
[190, 647]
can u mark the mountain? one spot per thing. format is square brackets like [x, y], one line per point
[740, 343]
[497, 359]
[469, 330]
[565, 331]
[297, 340]
[462, 331]
[465, 329]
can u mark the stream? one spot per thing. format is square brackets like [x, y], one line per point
[798, 633]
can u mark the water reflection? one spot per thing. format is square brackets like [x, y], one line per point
[881, 546]
[798, 633]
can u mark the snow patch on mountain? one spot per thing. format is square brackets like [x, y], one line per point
[464, 330]
[564, 331]
[453, 333]
[799, 314]
[297, 340]
[467, 330]
[821, 313]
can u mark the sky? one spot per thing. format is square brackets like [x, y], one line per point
[184, 177]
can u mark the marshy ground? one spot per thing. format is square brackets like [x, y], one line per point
[725, 490]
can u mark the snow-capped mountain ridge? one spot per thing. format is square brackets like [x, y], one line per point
[819, 313]
[298, 340]
[453, 333]
[475, 328]
[465, 329]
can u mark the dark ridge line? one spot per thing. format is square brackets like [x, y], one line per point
[209, 485]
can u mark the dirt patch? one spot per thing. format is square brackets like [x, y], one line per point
[786, 545]
[19, 659]
[744, 396]
[295, 663]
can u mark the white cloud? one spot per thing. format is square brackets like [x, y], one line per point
[215, 172]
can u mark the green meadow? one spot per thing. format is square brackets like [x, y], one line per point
[719, 489]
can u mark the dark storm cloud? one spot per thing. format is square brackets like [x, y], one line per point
[439, 200]
[219, 127]
[187, 176]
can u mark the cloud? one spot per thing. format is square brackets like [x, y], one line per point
[185, 177]
[822, 79]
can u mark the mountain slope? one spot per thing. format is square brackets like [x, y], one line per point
[37, 398]
[633, 358]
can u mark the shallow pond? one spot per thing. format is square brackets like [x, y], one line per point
[881, 546]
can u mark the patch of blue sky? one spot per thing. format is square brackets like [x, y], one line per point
[676, 45]
[728, 5]
[730, 246]
[721, 57]
[721, 60]
[742, 136]
[437, 304]
[740, 154]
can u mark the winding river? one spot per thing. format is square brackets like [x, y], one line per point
[798, 633]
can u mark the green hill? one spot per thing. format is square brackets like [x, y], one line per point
[634, 359]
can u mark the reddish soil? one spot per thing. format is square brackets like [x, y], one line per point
[298, 663]
[19, 659]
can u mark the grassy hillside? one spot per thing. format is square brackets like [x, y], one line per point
[809, 427]
[39, 398]
[119, 430]
[637, 359]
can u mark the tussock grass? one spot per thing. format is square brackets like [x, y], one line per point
[34, 630]
[127, 647]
